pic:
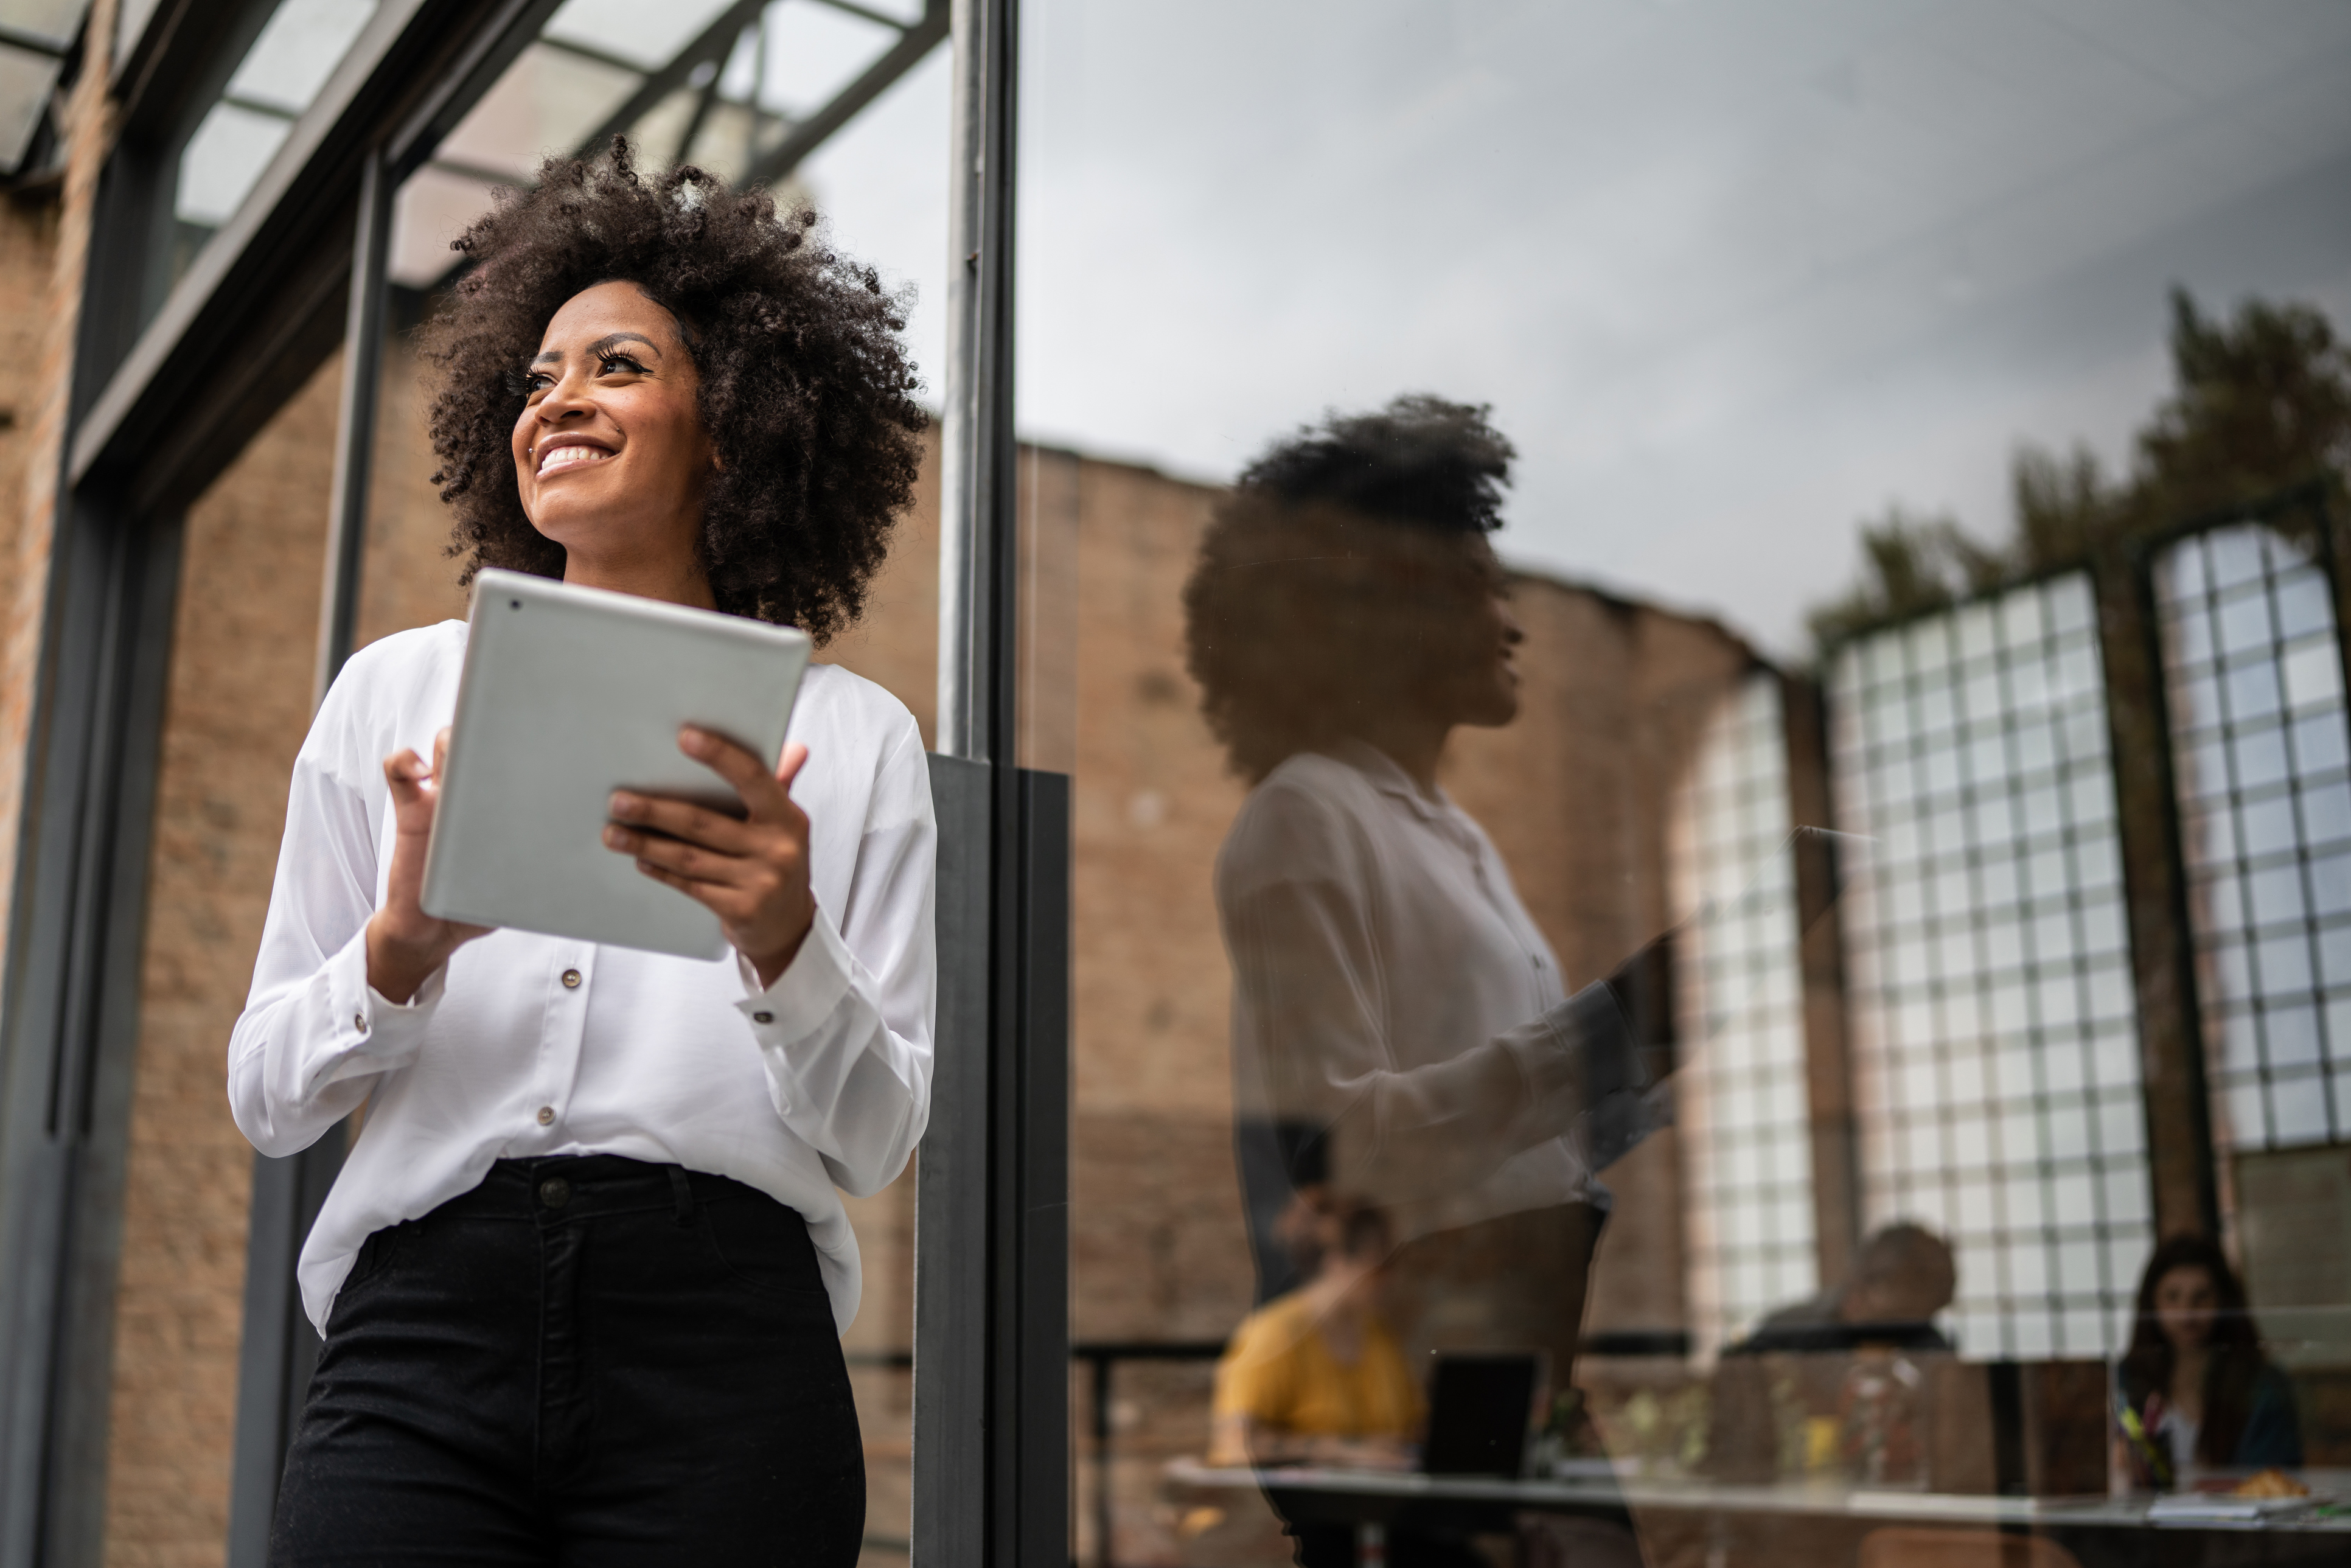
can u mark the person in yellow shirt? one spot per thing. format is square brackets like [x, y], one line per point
[1317, 1376]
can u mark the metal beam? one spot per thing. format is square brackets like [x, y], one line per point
[991, 1385]
[338, 595]
[70, 1036]
[711, 44]
[809, 135]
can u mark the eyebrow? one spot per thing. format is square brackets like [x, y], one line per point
[602, 346]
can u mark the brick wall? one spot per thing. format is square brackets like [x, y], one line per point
[239, 702]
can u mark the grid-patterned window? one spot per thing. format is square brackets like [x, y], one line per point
[1741, 1101]
[2254, 675]
[1995, 1036]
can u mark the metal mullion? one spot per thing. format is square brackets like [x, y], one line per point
[712, 44]
[699, 118]
[913, 44]
[363, 327]
[278, 1349]
[35, 44]
[590, 52]
[852, 8]
[71, 1021]
[991, 1385]
[492, 47]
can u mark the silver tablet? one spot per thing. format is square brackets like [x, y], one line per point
[569, 694]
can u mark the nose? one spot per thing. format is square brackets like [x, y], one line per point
[565, 399]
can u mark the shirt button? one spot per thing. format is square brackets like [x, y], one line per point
[359, 1022]
[570, 979]
[546, 1115]
[555, 1192]
[763, 1018]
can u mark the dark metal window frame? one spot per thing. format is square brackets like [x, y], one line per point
[160, 396]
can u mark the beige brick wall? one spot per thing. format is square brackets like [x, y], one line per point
[29, 243]
[239, 702]
[42, 259]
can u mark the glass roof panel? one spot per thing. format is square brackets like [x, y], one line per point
[55, 20]
[25, 81]
[297, 52]
[813, 51]
[648, 35]
[289, 61]
[546, 103]
[682, 81]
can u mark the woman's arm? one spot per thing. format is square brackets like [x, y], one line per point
[1312, 976]
[316, 1033]
[842, 1000]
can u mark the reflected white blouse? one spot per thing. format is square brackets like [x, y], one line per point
[525, 1045]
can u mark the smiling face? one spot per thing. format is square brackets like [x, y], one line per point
[611, 457]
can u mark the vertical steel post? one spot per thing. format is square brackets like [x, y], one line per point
[339, 595]
[991, 1319]
[280, 1349]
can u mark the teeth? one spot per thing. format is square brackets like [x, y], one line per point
[569, 458]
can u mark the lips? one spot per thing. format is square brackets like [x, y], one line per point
[569, 455]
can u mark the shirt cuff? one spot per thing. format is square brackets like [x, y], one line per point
[805, 994]
[1582, 1046]
[367, 1032]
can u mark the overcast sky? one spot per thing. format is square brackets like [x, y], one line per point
[1731, 276]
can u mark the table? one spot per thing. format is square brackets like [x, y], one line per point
[1372, 1501]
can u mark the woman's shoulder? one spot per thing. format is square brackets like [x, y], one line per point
[840, 698]
[385, 691]
[1271, 1333]
[404, 658]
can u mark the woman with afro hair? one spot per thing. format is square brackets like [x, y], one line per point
[582, 1278]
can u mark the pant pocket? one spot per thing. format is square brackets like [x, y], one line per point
[762, 1244]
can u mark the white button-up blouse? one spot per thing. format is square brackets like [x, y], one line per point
[525, 1045]
[1391, 991]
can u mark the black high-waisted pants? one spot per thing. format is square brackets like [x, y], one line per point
[583, 1361]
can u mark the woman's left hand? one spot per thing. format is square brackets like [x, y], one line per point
[753, 873]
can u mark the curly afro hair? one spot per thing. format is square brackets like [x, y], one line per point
[1339, 570]
[806, 389]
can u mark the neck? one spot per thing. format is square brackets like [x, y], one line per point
[1412, 741]
[674, 578]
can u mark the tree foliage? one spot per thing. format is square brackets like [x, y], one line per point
[2259, 405]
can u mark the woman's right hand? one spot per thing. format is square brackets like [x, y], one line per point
[404, 944]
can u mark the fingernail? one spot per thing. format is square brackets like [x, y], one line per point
[614, 838]
[624, 805]
[692, 739]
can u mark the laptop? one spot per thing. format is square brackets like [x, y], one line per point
[1480, 1407]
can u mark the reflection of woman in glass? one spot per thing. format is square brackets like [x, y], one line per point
[1400, 1026]
[2196, 1390]
[582, 1279]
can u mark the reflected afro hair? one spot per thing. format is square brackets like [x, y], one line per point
[806, 389]
[1342, 566]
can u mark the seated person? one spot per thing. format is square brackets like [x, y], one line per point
[1903, 1277]
[1316, 1376]
[2195, 1389]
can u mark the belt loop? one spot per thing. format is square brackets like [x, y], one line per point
[683, 1190]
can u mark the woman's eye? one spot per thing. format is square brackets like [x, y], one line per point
[535, 383]
[619, 364]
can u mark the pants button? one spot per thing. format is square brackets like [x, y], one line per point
[555, 1192]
